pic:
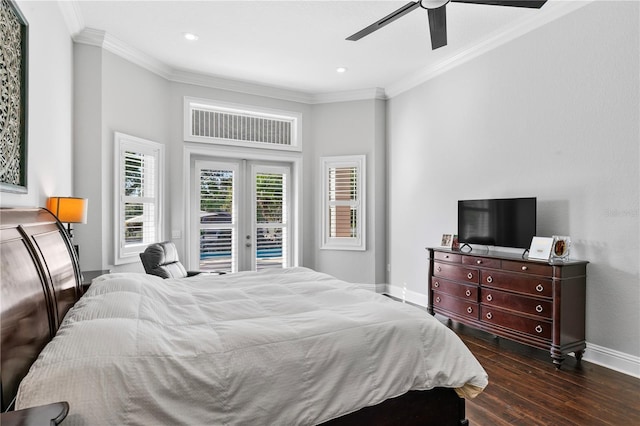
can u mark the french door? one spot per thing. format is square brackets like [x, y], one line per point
[241, 215]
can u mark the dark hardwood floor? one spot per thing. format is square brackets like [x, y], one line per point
[526, 389]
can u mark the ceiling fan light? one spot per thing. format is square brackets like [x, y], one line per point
[433, 4]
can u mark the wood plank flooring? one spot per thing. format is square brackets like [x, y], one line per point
[526, 389]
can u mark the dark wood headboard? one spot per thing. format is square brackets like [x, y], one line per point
[40, 282]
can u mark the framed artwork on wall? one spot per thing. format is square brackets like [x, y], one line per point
[13, 102]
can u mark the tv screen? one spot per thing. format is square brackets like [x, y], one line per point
[506, 222]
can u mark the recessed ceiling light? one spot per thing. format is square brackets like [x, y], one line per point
[190, 36]
[341, 70]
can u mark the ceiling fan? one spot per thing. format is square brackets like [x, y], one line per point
[437, 12]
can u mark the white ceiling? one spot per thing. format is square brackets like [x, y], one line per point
[297, 45]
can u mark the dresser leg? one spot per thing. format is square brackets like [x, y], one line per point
[557, 360]
[578, 355]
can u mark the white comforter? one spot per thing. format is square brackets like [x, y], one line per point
[269, 348]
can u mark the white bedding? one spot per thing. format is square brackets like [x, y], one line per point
[269, 348]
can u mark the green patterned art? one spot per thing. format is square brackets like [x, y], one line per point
[13, 98]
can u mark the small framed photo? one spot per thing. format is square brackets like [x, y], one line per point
[455, 245]
[560, 248]
[540, 248]
[447, 240]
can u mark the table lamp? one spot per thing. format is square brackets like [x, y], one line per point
[68, 210]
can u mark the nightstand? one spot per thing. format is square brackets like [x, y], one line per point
[50, 414]
[88, 276]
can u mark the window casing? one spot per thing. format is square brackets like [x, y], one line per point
[343, 202]
[139, 185]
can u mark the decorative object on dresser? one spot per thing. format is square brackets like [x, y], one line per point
[537, 303]
[540, 248]
[561, 245]
[446, 241]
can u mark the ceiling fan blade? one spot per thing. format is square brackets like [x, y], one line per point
[532, 4]
[438, 26]
[386, 20]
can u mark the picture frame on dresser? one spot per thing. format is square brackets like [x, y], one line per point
[446, 241]
[561, 247]
[540, 248]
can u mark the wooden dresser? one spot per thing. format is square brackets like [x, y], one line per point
[538, 303]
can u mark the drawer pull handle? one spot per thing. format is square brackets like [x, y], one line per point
[436, 284]
[470, 275]
[489, 297]
[538, 328]
[470, 310]
[439, 269]
[539, 288]
[524, 268]
[479, 262]
[489, 279]
[446, 256]
[438, 299]
[539, 308]
[489, 315]
[468, 293]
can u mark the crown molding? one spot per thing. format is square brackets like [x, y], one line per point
[217, 82]
[550, 12]
[71, 12]
[106, 41]
[102, 39]
[72, 16]
[350, 95]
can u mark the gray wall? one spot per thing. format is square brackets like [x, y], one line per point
[553, 114]
[353, 128]
[49, 147]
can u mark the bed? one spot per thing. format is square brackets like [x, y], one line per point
[293, 346]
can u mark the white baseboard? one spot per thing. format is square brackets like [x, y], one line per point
[613, 360]
[407, 295]
[605, 357]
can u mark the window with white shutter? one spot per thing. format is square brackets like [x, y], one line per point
[138, 171]
[343, 203]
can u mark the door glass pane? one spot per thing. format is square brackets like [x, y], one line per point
[217, 224]
[270, 219]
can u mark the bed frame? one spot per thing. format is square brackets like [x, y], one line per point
[40, 281]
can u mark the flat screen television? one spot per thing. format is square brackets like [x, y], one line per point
[505, 222]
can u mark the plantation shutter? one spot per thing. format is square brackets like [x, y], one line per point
[271, 219]
[218, 222]
[139, 194]
[343, 202]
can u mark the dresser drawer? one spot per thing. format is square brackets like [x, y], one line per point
[456, 273]
[481, 261]
[455, 305]
[523, 304]
[467, 292]
[447, 257]
[533, 327]
[518, 283]
[528, 268]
